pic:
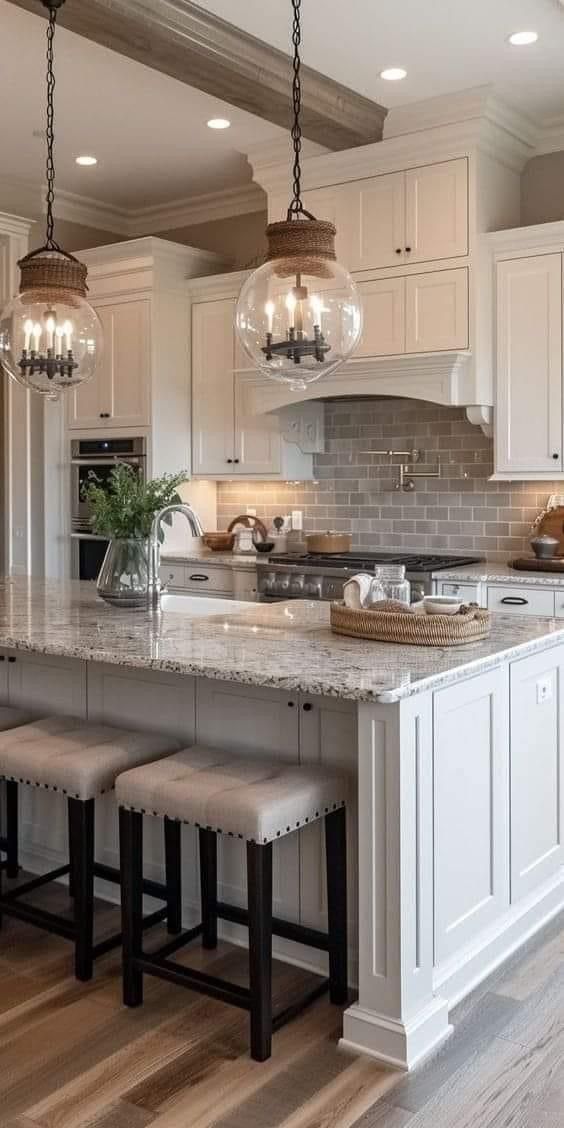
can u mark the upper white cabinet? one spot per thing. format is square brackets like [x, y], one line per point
[415, 314]
[528, 353]
[119, 394]
[418, 215]
[140, 292]
[229, 437]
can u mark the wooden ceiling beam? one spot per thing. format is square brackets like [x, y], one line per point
[182, 40]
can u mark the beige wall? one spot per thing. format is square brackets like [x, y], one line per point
[240, 239]
[542, 189]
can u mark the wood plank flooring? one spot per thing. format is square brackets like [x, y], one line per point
[72, 1057]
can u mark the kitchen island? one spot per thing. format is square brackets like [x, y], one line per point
[454, 758]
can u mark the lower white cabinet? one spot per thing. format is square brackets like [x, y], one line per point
[470, 593]
[521, 599]
[416, 313]
[471, 809]
[537, 771]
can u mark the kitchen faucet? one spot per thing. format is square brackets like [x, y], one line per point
[154, 585]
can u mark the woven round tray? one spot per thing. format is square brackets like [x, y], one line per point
[409, 628]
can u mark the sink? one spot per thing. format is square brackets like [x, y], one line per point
[197, 606]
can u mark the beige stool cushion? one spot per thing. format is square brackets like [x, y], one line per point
[77, 757]
[259, 800]
[11, 718]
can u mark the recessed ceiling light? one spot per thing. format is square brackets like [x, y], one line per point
[86, 160]
[393, 74]
[523, 38]
[218, 123]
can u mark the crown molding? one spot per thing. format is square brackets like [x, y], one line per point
[551, 136]
[192, 45]
[197, 209]
[15, 225]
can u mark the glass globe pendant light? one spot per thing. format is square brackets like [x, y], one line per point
[299, 315]
[50, 336]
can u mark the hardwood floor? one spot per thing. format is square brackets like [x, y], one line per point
[72, 1057]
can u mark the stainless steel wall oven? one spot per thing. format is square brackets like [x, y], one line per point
[89, 458]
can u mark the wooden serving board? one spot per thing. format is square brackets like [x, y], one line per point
[551, 524]
[533, 564]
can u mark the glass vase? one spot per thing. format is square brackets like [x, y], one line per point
[124, 576]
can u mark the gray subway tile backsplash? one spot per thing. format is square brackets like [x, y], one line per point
[354, 492]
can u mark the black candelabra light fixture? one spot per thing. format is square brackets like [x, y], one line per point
[50, 336]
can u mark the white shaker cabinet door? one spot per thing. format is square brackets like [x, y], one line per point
[436, 211]
[372, 214]
[529, 365]
[118, 394]
[383, 317]
[471, 809]
[537, 776]
[258, 444]
[212, 387]
[436, 317]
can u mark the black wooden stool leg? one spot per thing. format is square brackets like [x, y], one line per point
[12, 865]
[208, 887]
[172, 837]
[336, 850]
[72, 860]
[81, 837]
[259, 881]
[131, 866]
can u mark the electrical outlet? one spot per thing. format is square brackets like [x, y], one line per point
[251, 511]
[544, 690]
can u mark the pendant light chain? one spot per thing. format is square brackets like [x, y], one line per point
[50, 131]
[296, 207]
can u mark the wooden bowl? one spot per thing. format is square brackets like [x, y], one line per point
[219, 542]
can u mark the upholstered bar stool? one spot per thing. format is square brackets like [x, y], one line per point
[81, 760]
[9, 719]
[258, 801]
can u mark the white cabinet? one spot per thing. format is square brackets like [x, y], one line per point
[417, 313]
[529, 421]
[537, 771]
[520, 599]
[46, 683]
[436, 211]
[417, 215]
[471, 799]
[469, 593]
[229, 438]
[119, 394]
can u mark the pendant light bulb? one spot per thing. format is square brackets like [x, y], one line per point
[299, 315]
[50, 336]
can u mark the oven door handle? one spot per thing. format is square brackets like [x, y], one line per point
[88, 536]
[132, 460]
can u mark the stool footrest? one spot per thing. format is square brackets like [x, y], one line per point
[295, 1008]
[115, 940]
[156, 889]
[189, 977]
[179, 941]
[287, 929]
[50, 922]
[36, 883]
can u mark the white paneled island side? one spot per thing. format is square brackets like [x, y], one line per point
[454, 758]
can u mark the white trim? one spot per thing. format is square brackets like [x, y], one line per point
[197, 209]
[551, 136]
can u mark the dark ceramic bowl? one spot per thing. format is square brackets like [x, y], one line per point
[264, 546]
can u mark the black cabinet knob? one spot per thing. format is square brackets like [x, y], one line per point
[556, 456]
[291, 704]
[398, 250]
[104, 415]
[308, 707]
[230, 460]
[235, 459]
[12, 659]
[408, 250]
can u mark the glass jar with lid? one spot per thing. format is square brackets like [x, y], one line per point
[392, 580]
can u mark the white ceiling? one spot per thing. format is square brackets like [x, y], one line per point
[445, 45]
[148, 131]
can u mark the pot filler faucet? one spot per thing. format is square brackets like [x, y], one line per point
[155, 586]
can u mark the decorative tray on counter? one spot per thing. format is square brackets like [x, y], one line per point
[536, 564]
[412, 629]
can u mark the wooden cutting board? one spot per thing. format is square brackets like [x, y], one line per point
[551, 524]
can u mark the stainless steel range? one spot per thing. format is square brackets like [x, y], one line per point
[317, 576]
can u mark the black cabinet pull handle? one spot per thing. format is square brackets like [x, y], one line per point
[104, 415]
[408, 250]
[515, 600]
[198, 577]
[2, 657]
[308, 707]
[11, 659]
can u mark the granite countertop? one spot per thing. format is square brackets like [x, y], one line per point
[199, 556]
[286, 646]
[495, 573]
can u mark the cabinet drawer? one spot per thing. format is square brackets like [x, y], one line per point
[173, 575]
[520, 600]
[470, 593]
[203, 579]
[559, 604]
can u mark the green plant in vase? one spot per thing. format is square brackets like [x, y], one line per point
[124, 510]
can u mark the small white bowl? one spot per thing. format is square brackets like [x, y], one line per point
[441, 604]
